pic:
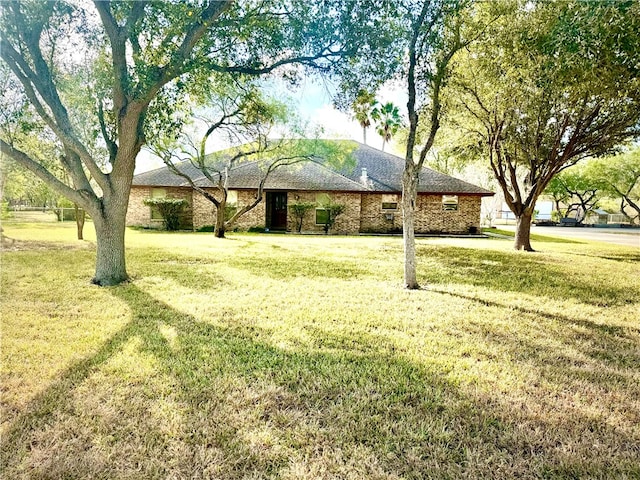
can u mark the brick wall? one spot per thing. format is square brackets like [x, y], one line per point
[348, 223]
[430, 218]
[139, 214]
[204, 211]
[363, 213]
[374, 219]
[255, 217]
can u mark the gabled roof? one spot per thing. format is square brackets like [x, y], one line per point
[384, 174]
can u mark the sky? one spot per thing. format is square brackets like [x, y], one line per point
[312, 99]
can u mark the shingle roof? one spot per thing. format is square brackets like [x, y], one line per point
[384, 173]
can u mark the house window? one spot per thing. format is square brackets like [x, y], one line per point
[157, 193]
[232, 198]
[449, 203]
[389, 202]
[322, 216]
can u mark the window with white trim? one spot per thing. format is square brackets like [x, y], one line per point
[232, 198]
[322, 214]
[389, 203]
[449, 203]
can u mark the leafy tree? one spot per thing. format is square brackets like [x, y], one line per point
[435, 33]
[363, 107]
[299, 211]
[574, 193]
[138, 61]
[248, 120]
[422, 38]
[552, 84]
[388, 119]
[619, 178]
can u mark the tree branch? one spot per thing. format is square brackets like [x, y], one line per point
[59, 122]
[32, 165]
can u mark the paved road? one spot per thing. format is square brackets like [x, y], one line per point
[620, 236]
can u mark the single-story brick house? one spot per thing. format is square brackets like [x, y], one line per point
[371, 192]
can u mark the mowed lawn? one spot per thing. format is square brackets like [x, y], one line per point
[294, 357]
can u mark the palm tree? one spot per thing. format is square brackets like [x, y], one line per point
[388, 119]
[362, 109]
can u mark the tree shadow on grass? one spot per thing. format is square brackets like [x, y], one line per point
[613, 345]
[619, 257]
[514, 272]
[172, 396]
[299, 265]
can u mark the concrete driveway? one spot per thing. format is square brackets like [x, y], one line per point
[620, 236]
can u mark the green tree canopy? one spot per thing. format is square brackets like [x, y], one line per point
[574, 193]
[120, 72]
[618, 178]
[363, 107]
[553, 83]
[388, 119]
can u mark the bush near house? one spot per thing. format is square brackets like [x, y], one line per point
[170, 209]
[331, 213]
[299, 211]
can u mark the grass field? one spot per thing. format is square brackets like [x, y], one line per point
[281, 356]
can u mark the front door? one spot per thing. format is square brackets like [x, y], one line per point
[277, 210]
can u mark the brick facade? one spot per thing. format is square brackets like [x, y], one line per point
[431, 218]
[374, 219]
[363, 214]
[139, 214]
[348, 223]
[204, 211]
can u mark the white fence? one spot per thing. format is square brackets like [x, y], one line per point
[21, 212]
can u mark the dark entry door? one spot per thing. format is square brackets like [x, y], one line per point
[277, 210]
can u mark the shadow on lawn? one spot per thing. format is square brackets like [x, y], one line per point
[221, 403]
[611, 345]
[517, 272]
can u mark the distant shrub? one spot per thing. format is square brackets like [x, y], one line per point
[256, 229]
[4, 211]
[207, 228]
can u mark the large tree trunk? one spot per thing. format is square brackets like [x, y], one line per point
[110, 258]
[409, 196]
[220, 223]
[523, 232]
[109, 220]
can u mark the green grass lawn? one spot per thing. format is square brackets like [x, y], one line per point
[282, 356]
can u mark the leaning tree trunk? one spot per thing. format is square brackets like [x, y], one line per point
[523, 232]
[220, 223]
[409, 196]
[79, 220]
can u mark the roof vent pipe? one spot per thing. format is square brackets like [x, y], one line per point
[364, 179]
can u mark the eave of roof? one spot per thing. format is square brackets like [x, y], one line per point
[384, 175]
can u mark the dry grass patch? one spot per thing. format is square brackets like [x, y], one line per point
[279, 356]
